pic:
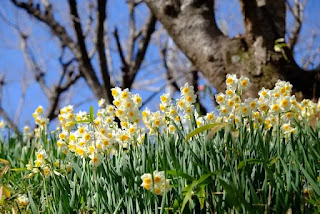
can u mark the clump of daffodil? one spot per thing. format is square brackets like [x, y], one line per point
[276, 107]
[172, 112]
[156, 183]
[2, 124]
[40, 164]
[67, 117]
[23, 200]
[103, 135]
[39, 118]
[127, 105]
[27, 133]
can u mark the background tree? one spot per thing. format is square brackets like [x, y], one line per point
[192, 25]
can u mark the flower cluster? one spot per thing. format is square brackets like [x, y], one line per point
[67, 117]
[156, 183]
[39, 117]
[23, 200]
[40, 163]
[2, 124]
[27, 133]
[276, 107]
[102, 136]
[127, 105]
[43, 165]
[174, 112]
[116, 127]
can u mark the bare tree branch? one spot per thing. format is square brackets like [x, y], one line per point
[164, 86]
[132, 30]
[143, 44]
[101, 18]
[90, 20]
[311, 59]
[86, 68]
[3, 113]
[146, 33]
[108, 53]
[48, 19]
[24, 85]
[119, 47]
[297, 12]
[32, 64]
[168, 70]
[80, 51]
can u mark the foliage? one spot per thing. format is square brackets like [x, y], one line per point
[204, 166]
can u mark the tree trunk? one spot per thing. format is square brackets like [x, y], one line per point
[192, 25]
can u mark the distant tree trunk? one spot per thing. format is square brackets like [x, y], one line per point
[192, 25]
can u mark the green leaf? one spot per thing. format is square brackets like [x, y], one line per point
[248, 161]
[235, 196]
[91, 113]
[216, 126]
[175, 205]
[280, 40]
[190, 188]
[18, 169]
[181, 174]
[201, 196]
[274, 160]
[77, 169]
[313, 184]
[118, 206]
[79, 121]
[215, 129]
[32, 204]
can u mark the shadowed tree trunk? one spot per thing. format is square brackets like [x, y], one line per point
[192, 25]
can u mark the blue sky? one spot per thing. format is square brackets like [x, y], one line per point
[46, 50]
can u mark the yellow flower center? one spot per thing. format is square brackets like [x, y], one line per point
[147, 180]
[229, 80]
[80, 151]
[39, 156]
[157, 179]
[117, 103]
[284, 103]
[157, 191]
[210, 116]
[220, 99]
[132, 130]
[72, 137]
[157, 122]
[189, 99]
[124, 95]
[87, 136]
[244, 83]
[230, 103]
[275, 107]
[62, 136]
[114, 92]
[186, 90]
[253, 104]
[105, 142]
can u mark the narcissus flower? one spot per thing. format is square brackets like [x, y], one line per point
[23, 200]
[156, 183]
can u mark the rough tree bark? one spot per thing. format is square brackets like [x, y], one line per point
[192, 25]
